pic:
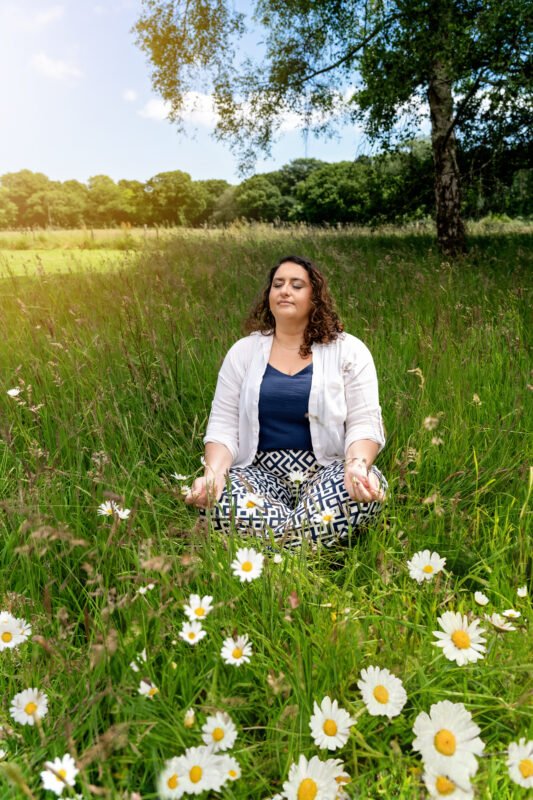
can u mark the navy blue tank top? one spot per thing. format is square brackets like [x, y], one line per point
[283, 409]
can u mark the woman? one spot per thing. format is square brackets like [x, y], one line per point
[295, 424]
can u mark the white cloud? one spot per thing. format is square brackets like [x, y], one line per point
[155, 109]
[198, 109]
[55, 68]
[12, 18]
[129, 95]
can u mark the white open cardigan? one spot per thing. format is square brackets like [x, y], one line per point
[343, 402]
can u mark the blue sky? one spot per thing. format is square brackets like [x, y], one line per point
[76, 101]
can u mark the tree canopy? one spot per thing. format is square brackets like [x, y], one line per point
[380, 63]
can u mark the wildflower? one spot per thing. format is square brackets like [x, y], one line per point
[522, 591]
[248, 564]
[510, 613]
[141, 658]
[430, 423]
[236, 651]
[13, 631]
[382, 692]
[106, 509]
[330, 725]
[441, 785]
[500, 623]
[230, 767]
[59, 773]
[277, 559]
[147, 689]
[144, 589]
[297, 476]
[198, 607]
[190, 718]
[251, 502]
[424, 565]
[199, 770]
[460, 641]
[178, 477]
[13, 392]
[448, 740]
[312, 779]
[122, 513]
[476, 400]
[437, 441]
[520, 763]
[219, 731]
[481, 599]
[192, 632]
[169, 781]
[326, 516]
[28, 706]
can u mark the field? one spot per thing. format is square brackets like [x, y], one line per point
[114, 364]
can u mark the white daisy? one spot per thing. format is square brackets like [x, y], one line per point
[424, 565]
[510, 613]
[147, 689]
[461, 642]
[248, 564]
[178, 477]
[13, 392]
[251, 503]
[440, 785]
[230, 767]
[520, 763]
[522, 591]
[236, 651]
[106, 509]
[28, 706]
[326, 516]
[122, 513]
[13, 631]
[139, 659]
[481, 599]
[277, 559]
[219, 731]
[382, 692]
[499, 622]
[189, 718]
[192, 632]
[169, 783]
[448, 741]
[199, 770]
[297, 476]
[145, 589]
[59, 773]
[198, 607]
[330, 725]
[312, 779]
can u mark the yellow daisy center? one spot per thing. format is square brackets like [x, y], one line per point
[195, 774]
[327, 517]
[199, 611]
[232, 773]
[218, 734]
[62, 773]
[526, 768]
[381, 694]
[428, 569]
[247, 566]
[329, 727]
[444, 785]
[191, 635]
[172, 782]
[152, 691]
[461, 639]
[250, 504]
[307, 790]
[236, 652]
[30, 708]
[444, 742]
[7, 636]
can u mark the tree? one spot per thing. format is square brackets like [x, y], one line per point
[469, 60]
[175, 199]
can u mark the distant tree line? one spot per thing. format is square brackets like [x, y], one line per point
[393, 187]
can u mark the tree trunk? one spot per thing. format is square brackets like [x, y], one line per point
[450, 227]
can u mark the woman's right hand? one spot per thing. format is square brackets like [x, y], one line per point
[206, 491]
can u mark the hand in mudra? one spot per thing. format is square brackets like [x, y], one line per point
[206, 491]
[362, 484]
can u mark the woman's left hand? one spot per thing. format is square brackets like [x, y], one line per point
[362, 485]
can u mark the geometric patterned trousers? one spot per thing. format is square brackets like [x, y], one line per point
[288, 496]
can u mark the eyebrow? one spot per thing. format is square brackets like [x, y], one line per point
[280, 278]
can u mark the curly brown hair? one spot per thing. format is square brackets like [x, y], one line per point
[324, 325]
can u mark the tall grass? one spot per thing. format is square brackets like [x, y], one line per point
[116, 372]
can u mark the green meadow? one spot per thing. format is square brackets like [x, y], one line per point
[114, 353]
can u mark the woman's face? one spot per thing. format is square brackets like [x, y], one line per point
[291, 294]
